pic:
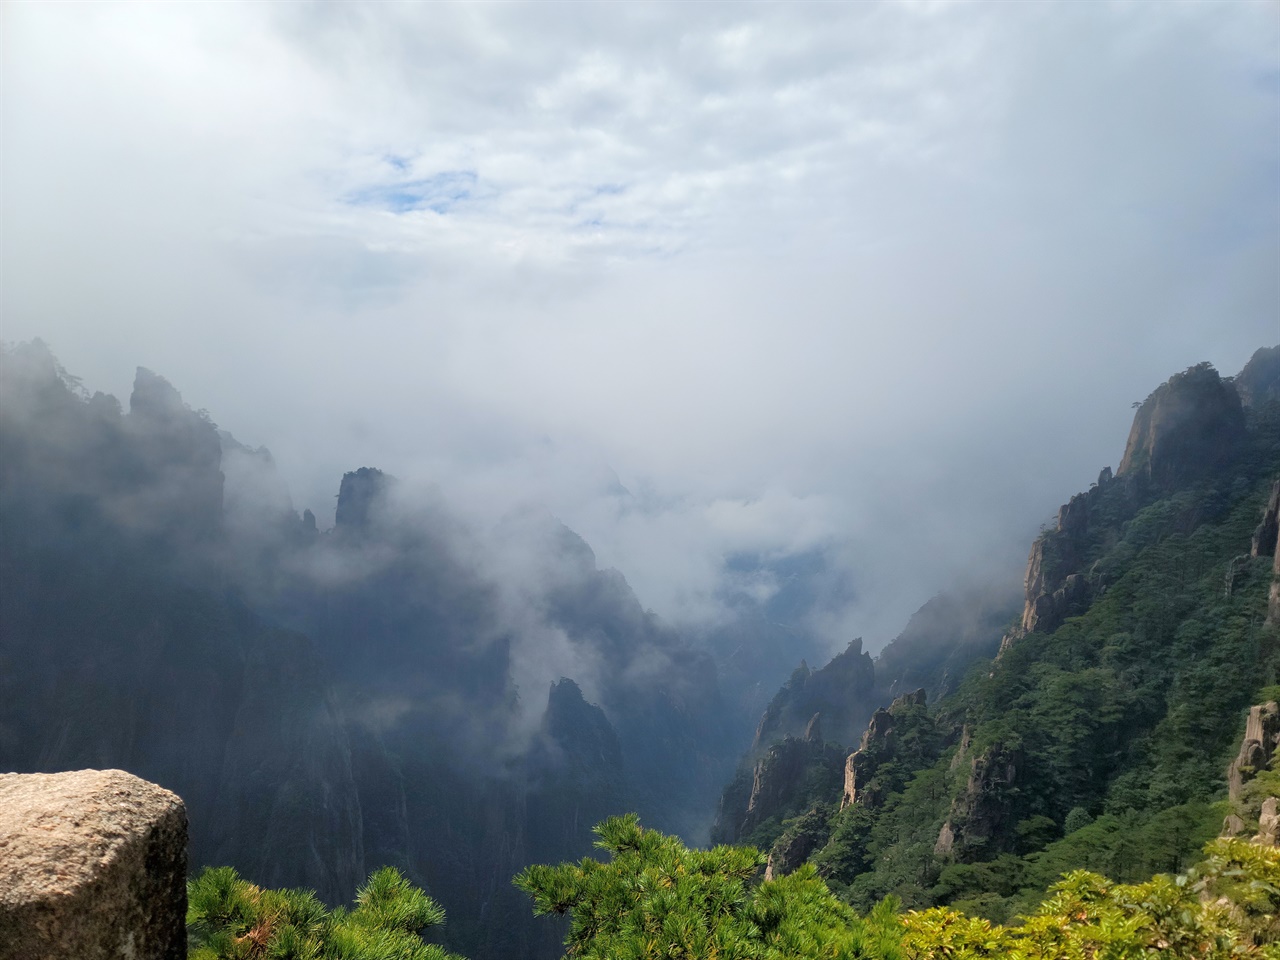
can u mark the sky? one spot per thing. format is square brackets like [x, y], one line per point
[877, 282]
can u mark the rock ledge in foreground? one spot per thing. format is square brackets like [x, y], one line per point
[92, 865]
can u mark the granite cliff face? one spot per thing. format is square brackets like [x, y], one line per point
[876, 748]
[325, 702]
[980, 815]
[1191, 427]
[839, 692]
[1259, 382]
[776, 787]
[1253, 779]
[1097, 738]
[802, 741]
[92, 866]
[1266, 543]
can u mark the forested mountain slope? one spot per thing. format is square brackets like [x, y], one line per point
[1100, 735]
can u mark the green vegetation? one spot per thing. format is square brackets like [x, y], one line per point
[1116, 728]
[231, 919]
[1228, 907]
[657, 900]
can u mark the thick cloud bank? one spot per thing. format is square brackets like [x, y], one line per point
[721, 286]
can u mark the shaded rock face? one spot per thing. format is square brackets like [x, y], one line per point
[876, 748]
[92, 865]
[980, 814]
[1261, 737]
[1265, 536]
[1266, 543]
[842, 692]
[575, 774]
[324, 701]
[359, 492]
[1269, 823]
[1053, 589]
[1190, 427]
[1259, 382]
[797, 844]
[943, 638]
[1257, 752]
[778, 784]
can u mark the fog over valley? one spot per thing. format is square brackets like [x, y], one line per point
[431, 429]
[877, 282]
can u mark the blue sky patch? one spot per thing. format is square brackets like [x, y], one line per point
[441, 192]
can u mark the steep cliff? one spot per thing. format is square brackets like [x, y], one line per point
[880, 747]
[1253, 779]
[1259, 382]
[1266, 543]
[1190, 427]
[840, 692]
[790, 774]
[327, 702]
[1098, 737]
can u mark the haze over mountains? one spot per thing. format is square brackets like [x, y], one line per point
[429, 428]
[850, 286]
[405, 687]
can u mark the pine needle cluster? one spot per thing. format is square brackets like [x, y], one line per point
[229, 918]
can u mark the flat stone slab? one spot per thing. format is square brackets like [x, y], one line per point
[93, 865]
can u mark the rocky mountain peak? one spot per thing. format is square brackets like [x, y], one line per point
[1188, 428]
[359, 491]
[1259, 382]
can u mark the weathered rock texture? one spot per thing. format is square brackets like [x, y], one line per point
[1257, 750]
[1266, 543]
[1053, 588]
[1261, 736]
[980, 814]
[1259, 382]
[797, 843]
[92, 865]
[777, 786]
[1189, 428]
[876, 747]
[842, 692]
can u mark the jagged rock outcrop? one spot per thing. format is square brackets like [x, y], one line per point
[943, 638]
[1259, 382]
[842, 692]
[798, 842]
[875, 748]
[1190, 427]
[1268, 834]
[574, 772]
[361, 490]
[1053, 587]
[93, 866]
[1265, 537]
[1266, 543]
[1261, 737]
[779, 783]
[980, 814]
[183, 457]
[1250, 805]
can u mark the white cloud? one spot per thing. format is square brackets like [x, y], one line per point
[884, 274]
